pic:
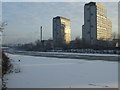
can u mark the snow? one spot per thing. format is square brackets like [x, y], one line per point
[46, 72]
[78, 54]
[0, 77]
[0, 83]
[66, 53]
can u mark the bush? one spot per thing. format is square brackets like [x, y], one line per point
[5, 64]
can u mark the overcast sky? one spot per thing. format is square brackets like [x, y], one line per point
[25, 18]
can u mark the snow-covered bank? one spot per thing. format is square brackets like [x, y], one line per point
[46, 72]
[64, 53]
[0, 83]
[0, 76]
[88, 56]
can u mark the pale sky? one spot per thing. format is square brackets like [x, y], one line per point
[25, 18]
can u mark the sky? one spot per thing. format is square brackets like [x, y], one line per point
[0, 11]
[25, 18]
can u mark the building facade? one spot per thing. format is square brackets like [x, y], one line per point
[61, 30]
[96, 24]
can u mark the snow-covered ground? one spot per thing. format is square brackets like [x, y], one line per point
[0, 77]
[46, 72]
[65, 53]
[88, 56]
[79, 53]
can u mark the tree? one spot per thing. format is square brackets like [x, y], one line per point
[2, 26]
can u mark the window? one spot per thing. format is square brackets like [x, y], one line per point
[88, 8]
[91, 14]
[91, 26]
[62, 26]
[88, 20]
[88, 32]
[91, 37]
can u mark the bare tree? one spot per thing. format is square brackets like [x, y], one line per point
[2, 26]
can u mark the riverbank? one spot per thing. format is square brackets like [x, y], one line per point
[5, 69]
[0, 76]
[87, 56]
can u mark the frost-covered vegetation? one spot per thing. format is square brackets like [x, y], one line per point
[6, 68]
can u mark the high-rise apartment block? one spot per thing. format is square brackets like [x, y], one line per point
[96, 24]
[61, 30]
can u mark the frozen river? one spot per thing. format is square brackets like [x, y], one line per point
[46, 72]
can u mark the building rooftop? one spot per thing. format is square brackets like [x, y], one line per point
[91, 3]
[61, 17]
[94, 3]
[100, 5]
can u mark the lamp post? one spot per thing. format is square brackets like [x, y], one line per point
[41, 33]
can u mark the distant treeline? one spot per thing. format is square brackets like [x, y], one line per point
[48, 45]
